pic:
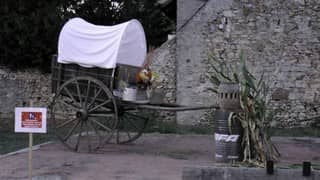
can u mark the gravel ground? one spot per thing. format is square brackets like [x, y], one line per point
[152, 157]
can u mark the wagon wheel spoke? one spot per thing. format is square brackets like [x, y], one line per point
[133, 117]
[66, 123]
[78, 92]
[95, 130]
[106, 109]
[88, 136]
[130, 127]
[126, 130]
[100, 136]
[84, 105]
[68, 104]
[100, 105]
[128, 134]
[87, 92]
[79, 136]
[101, 125]
[99, 115]
[132, 123]
[137, 116]
[118, 137]
[70, 132]
[70, 95]
[107, 114]
[64, 114]
[94, 98]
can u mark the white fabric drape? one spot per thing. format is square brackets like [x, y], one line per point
[92, 45]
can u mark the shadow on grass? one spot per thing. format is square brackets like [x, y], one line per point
[296, 132]
[11, 141]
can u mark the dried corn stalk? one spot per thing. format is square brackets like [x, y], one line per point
[255, 118]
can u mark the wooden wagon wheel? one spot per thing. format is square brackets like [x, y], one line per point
[132, 123]
[84, 113]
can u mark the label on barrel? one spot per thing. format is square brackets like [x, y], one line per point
[227, 147]
[226, 137]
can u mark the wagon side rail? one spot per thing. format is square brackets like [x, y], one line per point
[63, 72]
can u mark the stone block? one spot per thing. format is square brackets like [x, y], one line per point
[242, 173]
[280, 94]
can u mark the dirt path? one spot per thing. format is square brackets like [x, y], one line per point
[152, 157]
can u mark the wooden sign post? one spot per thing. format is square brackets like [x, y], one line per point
[30, 120]
[30, 156]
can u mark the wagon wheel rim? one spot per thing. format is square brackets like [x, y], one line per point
[131, 125]
[84, 114]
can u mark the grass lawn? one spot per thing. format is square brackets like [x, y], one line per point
[296, 132]
[10, 141]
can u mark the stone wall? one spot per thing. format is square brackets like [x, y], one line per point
[279, 38]
[163, 62]
[191, 72]
[18, 87]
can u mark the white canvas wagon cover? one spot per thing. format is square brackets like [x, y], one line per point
[92, 45]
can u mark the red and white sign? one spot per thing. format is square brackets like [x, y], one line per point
[30, 119]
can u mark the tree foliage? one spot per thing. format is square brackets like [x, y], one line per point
[30, 29]
[109, 12]
[28, 32]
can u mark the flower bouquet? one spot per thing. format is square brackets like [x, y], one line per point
[144, 79]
